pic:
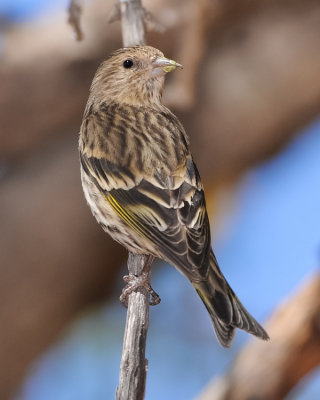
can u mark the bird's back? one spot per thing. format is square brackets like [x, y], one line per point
[141, 139]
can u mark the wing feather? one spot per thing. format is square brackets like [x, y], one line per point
[173, 218]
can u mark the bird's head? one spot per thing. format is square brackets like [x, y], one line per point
[132, 75]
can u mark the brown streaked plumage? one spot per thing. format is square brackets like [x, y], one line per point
[142, 184]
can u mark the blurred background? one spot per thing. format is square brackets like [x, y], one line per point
[249, 98]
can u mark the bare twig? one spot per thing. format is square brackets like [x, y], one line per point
[132, 22]
[150, 23]
[75, 11]
[133, 368]
[270, 372]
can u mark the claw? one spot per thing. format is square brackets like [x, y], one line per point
[135, 282]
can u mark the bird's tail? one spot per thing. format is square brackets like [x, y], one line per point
[225, 309]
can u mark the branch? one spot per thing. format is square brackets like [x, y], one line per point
[132, 22]
[148, 20]
[75, 11]
[133, 367]
[270, 372]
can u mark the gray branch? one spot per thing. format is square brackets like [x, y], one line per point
[132, 22]
[133, 368]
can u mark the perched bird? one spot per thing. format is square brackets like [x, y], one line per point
[141, 182]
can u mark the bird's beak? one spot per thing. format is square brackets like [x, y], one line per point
[165, 64]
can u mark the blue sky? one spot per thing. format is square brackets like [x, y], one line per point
[18, 10]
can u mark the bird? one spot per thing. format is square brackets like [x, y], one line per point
[142, 184]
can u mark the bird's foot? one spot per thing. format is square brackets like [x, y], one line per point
[135, 282]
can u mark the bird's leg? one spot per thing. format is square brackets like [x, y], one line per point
[137, 279]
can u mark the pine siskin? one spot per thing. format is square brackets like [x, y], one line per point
[142, 184]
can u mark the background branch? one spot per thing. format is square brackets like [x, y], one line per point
[75, 11]
[270, 370]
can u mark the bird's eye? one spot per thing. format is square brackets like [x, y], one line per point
[128, 63]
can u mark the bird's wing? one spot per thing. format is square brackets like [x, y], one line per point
[168, 211]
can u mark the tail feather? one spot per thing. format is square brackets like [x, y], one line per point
[225, 333]
[224, 307]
